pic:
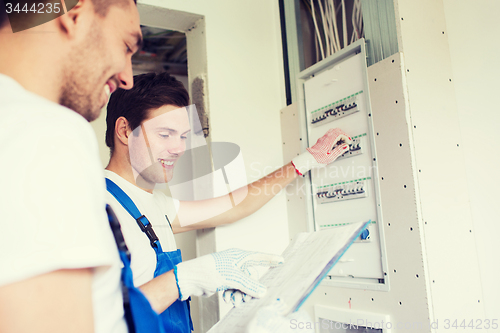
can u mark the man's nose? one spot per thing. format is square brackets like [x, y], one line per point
[126, 77]
[177, 147]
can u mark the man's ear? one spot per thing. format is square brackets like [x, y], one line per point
[122, 130]
[71, 21]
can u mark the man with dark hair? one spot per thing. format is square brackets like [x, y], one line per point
[147, 128]
[59, 267]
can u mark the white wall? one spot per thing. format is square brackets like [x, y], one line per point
[451, 259]
[473, 32]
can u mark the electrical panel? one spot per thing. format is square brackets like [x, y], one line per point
[335, 95]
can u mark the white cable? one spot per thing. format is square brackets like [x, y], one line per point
[317, 30]
[333, 26]
[327, 39]
[317, 48]
[355, 13]
[337, 40]
[360, 20]
[359, 17]
[353, 22]
[358, 10]
[328, 14]
[344, 23]
[328, 19]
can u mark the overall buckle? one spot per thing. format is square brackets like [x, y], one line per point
[148, 230]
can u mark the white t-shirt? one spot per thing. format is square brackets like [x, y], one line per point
[52, 201]
[154, 206]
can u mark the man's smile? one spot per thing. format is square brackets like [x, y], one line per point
[167, 163]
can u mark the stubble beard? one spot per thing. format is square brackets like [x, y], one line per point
[81, 90]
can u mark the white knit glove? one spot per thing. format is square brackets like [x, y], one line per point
[236, 297]
[323, 152]
[271, 319]
[220, 271]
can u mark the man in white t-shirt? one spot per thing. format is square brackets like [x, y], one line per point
[59, 267]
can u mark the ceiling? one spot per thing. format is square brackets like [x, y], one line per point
[162, 51]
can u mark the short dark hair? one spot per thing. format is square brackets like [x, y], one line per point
[3, 14]
[101, 6]
[151, 91]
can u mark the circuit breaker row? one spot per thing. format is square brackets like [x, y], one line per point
[336, 110]
[355, 148]
[353, 189]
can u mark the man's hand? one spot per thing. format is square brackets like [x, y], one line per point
[221, 271]
[326, 150]
[236, 297]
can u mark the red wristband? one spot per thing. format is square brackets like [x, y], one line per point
[296, 170]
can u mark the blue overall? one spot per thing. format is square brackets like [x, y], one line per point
[176, 317]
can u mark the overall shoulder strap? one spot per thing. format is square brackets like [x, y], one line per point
[132, 209]
[139, 315]
[125, 257]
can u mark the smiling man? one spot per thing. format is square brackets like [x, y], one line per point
[147, 129]
[59, 267]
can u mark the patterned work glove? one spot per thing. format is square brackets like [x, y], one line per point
[326, 150]
[220, 271]
[236, 297]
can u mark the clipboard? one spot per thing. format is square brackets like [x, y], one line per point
[308, 259]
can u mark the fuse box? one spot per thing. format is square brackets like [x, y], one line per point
[334, 94]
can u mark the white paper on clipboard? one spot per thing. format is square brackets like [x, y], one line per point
[308, 259]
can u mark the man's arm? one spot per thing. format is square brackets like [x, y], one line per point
[222, 210]
[217, 211]
[161, 292]
[208, 274]
[59, 301]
